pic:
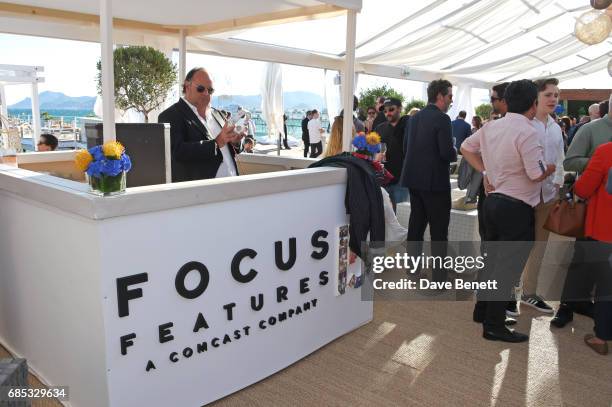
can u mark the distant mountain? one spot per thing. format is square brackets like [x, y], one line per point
[291, 100]
[57, 100]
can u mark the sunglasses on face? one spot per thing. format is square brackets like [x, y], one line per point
[371, 113]
[493, 99]
[202, 88]
[390, 110]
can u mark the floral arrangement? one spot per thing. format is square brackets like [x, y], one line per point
[368, 145]
[105, 166]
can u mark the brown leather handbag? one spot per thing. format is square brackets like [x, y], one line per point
[566, 218]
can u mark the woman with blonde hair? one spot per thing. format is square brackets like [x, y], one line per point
[334, 143]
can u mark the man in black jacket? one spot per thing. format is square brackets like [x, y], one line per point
[380, 108]
[392, 134]
[305, 136]
[202, 142]
[429, 152]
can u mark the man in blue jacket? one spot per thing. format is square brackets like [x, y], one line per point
[461, 129]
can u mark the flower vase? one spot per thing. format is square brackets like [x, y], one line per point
[107, 185]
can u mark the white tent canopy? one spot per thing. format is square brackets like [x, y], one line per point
[144, 20]
[22, 75]
[473, 43]
[477, 42]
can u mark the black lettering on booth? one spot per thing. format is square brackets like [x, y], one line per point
[200, 323]
[174, 357]
[202, 347]
[278, 254]
[179, 281]
[229, 308]
[323, 278]
[126, 341]
[304, 285]
[165, 334]
[257, 304]
[187, 352]
[281, 293]
[317, 243]
[243, 278]
[150, 365]
[124, 295]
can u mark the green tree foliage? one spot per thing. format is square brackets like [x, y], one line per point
[368, 97]
[143, 77]
[418, 103]
[484, 111]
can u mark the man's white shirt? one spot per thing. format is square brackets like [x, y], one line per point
[227, 167]
[551, 139]
[314, 133]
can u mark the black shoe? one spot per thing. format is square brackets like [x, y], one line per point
[535, 301]
[504, 335]
[512, 309]
[508, 321]
[563, 316]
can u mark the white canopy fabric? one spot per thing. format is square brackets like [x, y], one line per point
[484, 40]
[272, 100]
[474, 42]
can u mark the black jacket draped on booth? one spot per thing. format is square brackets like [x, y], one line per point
[363, 199]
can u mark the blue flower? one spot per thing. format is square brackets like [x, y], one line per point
[126, 162]
[373, 148]
[97, 153]
[94, 169]
[111, 167]
[360, 142]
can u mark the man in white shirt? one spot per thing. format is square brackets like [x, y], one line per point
[551, 139]
[314, 133]
[202, 141]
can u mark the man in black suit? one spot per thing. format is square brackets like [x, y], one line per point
[202, 142]
[426, 170]
[305, 137]
[392, 134]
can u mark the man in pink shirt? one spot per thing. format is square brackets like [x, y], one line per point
[508, 153]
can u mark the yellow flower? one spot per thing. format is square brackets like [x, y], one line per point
[373, 138]
[113, 149]
[82, 160]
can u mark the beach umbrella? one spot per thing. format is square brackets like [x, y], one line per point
[272, 108]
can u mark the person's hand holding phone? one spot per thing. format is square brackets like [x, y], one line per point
[228, 135]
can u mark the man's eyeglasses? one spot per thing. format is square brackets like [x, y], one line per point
[371, 113]
[202, 88]
[390, 110]
[493, 99]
